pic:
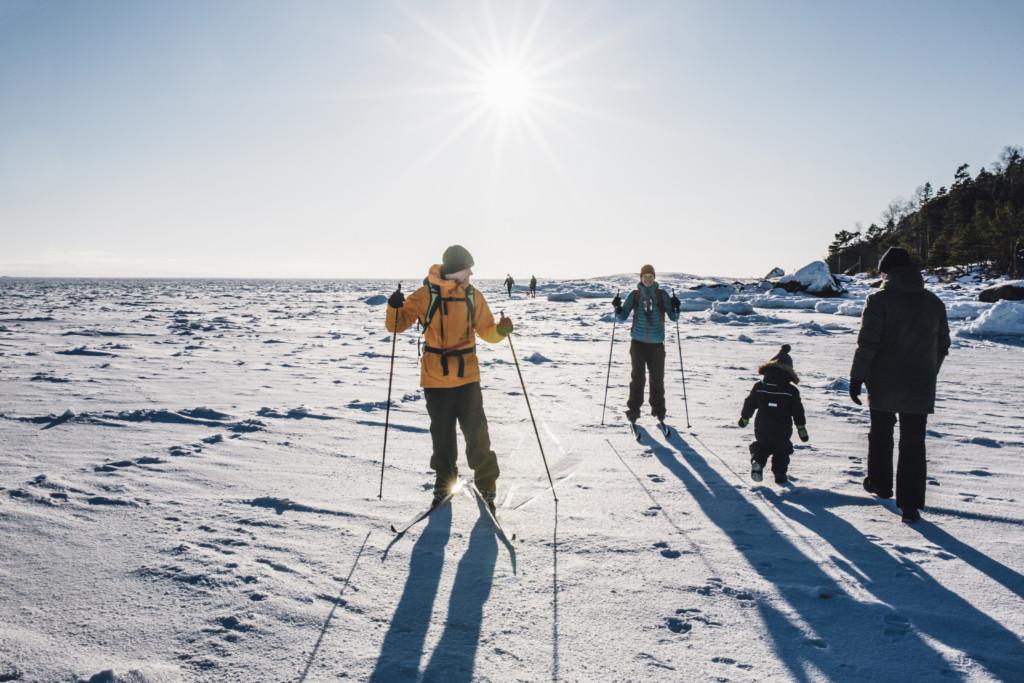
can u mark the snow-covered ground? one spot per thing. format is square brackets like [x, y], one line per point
[189, 475]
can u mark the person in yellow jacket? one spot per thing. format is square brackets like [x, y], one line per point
[453, 313]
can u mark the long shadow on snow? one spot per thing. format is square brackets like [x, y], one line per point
[400, 654]
[848, 640]
[454, 658]
[933, 609]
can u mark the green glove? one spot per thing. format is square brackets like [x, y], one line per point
[743, 422]
[802, 431]
[504, 326]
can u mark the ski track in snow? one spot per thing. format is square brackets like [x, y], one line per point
[189, 476]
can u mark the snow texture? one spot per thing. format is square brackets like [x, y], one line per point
[199, 505]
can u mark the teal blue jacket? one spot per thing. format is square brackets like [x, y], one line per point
[648, 323]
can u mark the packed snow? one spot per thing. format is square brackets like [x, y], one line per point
[189, 478]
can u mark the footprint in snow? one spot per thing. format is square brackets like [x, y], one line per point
[656, 478]
[652, 511]
[896, 625]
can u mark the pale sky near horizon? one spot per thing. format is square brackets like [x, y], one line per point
[563, 139]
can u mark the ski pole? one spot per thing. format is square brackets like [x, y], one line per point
[679, 343]
[418, 335]
[608, 378]
[387, 414]
[523, 385]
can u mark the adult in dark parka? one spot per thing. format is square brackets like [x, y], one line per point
[904, 337]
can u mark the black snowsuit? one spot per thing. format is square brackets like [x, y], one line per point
[904, 337]
[778, 407]
[533, 286]
[509, 283]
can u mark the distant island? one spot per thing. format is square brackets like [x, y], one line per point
[976, 220]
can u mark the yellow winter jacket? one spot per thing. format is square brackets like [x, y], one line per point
[449, 359]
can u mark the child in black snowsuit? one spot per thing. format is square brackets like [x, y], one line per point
[778, 407]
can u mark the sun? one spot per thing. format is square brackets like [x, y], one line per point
[506, 87]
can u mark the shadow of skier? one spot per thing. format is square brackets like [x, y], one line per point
[838, 636]
[994, 569]
[400, 654]
[454, 658]
[934, 610]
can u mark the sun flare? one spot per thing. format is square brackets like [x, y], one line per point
[506, 87]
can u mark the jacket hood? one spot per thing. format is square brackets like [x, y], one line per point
[435, 278]
[903, 279]
[773, 369]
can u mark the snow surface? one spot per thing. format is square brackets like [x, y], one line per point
[189, 477]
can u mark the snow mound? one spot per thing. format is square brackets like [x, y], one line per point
[737, 307]
[826, 306]
[562, 296]
[715, 291]
[376, 300]
[780, 298]
[851, 308]
[814, 278]
[961, 310]
[1005, 318]
[537, 358]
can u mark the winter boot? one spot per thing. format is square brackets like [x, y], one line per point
[781, 479]
[756, 470]
[910, 516]
[870, 488]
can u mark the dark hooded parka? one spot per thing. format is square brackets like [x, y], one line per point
[904, 337]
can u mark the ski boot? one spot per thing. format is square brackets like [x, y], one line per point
[489, 496]
[631, 417]
[756, 470]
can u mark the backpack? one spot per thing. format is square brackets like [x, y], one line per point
[436, 300]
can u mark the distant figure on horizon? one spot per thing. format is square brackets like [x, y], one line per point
[649, 305]
[533, 286]
[904, 337]
[453, 313]
[509, 283]
[778, 406]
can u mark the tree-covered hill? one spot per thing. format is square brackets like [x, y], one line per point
[974, 219]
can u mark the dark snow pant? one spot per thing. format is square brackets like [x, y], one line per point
[651, 357]
[911, 472]
[778, 449]
[464, 404]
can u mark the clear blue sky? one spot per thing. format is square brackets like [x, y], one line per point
[359, 139]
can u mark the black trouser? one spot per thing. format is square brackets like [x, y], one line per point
[911, 472]
[651, 357]
[466, 405]
[778, 449]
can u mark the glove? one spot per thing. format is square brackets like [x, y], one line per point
[397, 300]
[855, 387]
[617, 302]
[676, 304]
[802, 431]
[505, 326]
[743, 422]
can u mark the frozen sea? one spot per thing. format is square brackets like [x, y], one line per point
[189, 477]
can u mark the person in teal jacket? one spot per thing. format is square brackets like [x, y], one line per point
[649, 305]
